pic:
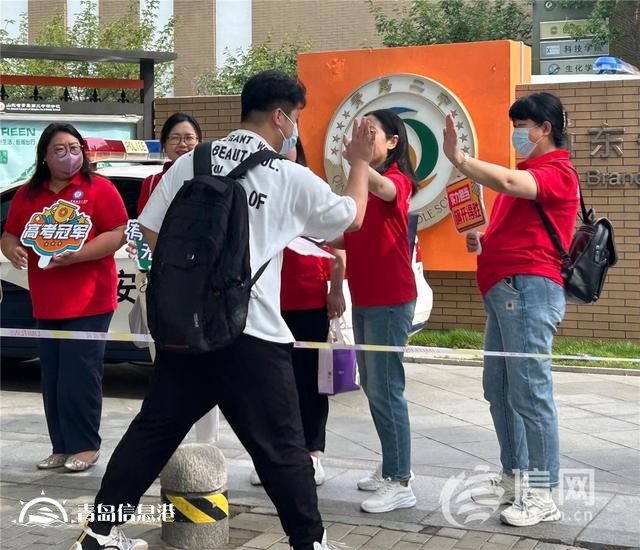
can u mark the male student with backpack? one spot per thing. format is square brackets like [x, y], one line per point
[251, 379]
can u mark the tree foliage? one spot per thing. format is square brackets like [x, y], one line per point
[134, 30]
[422, 22]
[610, 20]
[230, 78]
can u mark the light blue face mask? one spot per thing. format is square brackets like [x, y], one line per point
[289, 142]
[521, 142]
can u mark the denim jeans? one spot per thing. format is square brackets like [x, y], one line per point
[523, 313]
[382, 379]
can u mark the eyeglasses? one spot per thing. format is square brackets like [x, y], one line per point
[61, 150]
[189, 139]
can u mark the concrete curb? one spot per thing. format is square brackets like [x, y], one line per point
[412, 358]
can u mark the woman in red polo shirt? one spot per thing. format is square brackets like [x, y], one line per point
[519, 276]
[180, 134]
[74, 291]
[383, 293]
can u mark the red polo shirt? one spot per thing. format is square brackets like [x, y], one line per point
[149, 184]
[378, 261]
[516, 242]
[78, 290]
[304, 281]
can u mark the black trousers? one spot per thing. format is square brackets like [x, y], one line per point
[310, 325]
[252, 381]
[72, 383]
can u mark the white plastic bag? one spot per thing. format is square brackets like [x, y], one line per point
[138, 314]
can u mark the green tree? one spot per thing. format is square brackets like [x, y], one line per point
[230, 78]
[613, 21]
[132, 31]
[423, 22]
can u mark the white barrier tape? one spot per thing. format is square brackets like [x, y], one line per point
[442, 353]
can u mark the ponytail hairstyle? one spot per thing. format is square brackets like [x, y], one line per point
[393, 125]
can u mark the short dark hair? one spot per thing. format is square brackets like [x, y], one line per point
[173, 120]
[269, 90]
[393, 125]
[542, 107]
[42, 172]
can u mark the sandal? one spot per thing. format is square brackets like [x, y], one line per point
[54, 460]
[74, 464]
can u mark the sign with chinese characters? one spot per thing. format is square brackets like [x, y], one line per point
[559, 29]
[606, 140]
[59, 228]
[422, 104]
[554, 49]
[143, 251]
[581, 65]
[466, 205]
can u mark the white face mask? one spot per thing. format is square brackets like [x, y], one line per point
[289, 143]
[521, 142]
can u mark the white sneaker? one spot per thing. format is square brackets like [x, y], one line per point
[326, 545]
[498, 490]
[318, 471]
[373, 480]
[535, 506]
[115, 540]
[254, 478]
[391, 495]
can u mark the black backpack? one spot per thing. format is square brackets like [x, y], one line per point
[200, 278]
[592, 252]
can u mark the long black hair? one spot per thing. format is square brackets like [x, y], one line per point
[42, 173]
[542, 107]
[172, 121]
[393, 125]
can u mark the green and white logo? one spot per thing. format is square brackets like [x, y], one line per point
[423, 104]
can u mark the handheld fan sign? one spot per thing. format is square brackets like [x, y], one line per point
[466, 205]
[143, 251]
[59, 228]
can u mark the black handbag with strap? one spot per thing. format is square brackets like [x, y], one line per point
[592, 252]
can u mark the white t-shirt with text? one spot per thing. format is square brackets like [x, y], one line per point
[285, 200]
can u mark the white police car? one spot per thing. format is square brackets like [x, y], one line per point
[126, 171]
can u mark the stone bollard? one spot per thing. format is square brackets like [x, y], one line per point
[195, 482]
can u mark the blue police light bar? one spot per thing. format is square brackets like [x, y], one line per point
[614, 65]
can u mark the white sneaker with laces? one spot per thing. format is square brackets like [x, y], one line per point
[327, 545]
[373, 480]
[535, 506]
[391, 495]
[498, 490]
[115, 540]
[318, 471]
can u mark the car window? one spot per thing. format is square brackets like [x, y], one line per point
[6, 199]
[129, 189]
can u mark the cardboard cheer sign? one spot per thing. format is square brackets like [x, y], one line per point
[59, 228]
[466, 205]
[143, 250]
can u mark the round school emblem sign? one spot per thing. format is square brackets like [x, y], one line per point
[423, 104]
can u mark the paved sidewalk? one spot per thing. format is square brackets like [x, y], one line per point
[453, 447]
